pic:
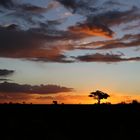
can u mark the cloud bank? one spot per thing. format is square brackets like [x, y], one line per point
[35, 37]
[7, 87]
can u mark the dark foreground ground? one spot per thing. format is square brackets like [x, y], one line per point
[69, 122]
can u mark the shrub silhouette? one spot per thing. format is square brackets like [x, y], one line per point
[55, 102]
[99, 95]
[135, 102]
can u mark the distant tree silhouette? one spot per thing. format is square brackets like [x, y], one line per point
[23, 102]
[99, 95]
[10, 102]
[55, 102]
[122, 103]
[135, 102]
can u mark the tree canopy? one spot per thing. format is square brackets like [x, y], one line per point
[99, 95]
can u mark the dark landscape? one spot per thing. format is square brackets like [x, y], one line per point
[89, 122]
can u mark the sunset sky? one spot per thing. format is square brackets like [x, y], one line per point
[64, 49]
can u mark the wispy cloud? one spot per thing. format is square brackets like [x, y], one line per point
[5, 79]
[107, 58]
[5, 72]
[27, 13]
[127, 41]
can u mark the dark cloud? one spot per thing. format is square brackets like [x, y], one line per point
[4, 79]
[45, 42]
[80, 6]
[6, 87]
[112, 3]
[39, 44]
[69, 3]
[97, 12]
[100, 24]
[59, 58]
[33, 8]
[45, 45]
[99, 21]
[6, 3]
[28, 14]
[108, 58]
[32, 14]
[89, 27]
[13, 43]
[12, 27]
[5, 72]
[25, 44]
[111, 18]
[27, 18]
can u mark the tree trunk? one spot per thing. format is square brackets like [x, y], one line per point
[99, 101]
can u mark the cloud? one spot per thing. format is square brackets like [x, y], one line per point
[100, 20]
[38, 44]
[25, 13]
[68, 3]
[100, 24]
[33, 8]
[112, 18]
[44, 45]
[80, 6]
[14, 88]
[6, 3]
[131, 27]
[59, 58]
[42, 40]
[108, 58]
[5, 80]
[112, 3]
[5, 72]
[92, 29]
[15, 5]
[127, 41]
[98, 11]
[27, 44]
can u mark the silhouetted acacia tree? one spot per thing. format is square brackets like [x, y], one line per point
[99, 95]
